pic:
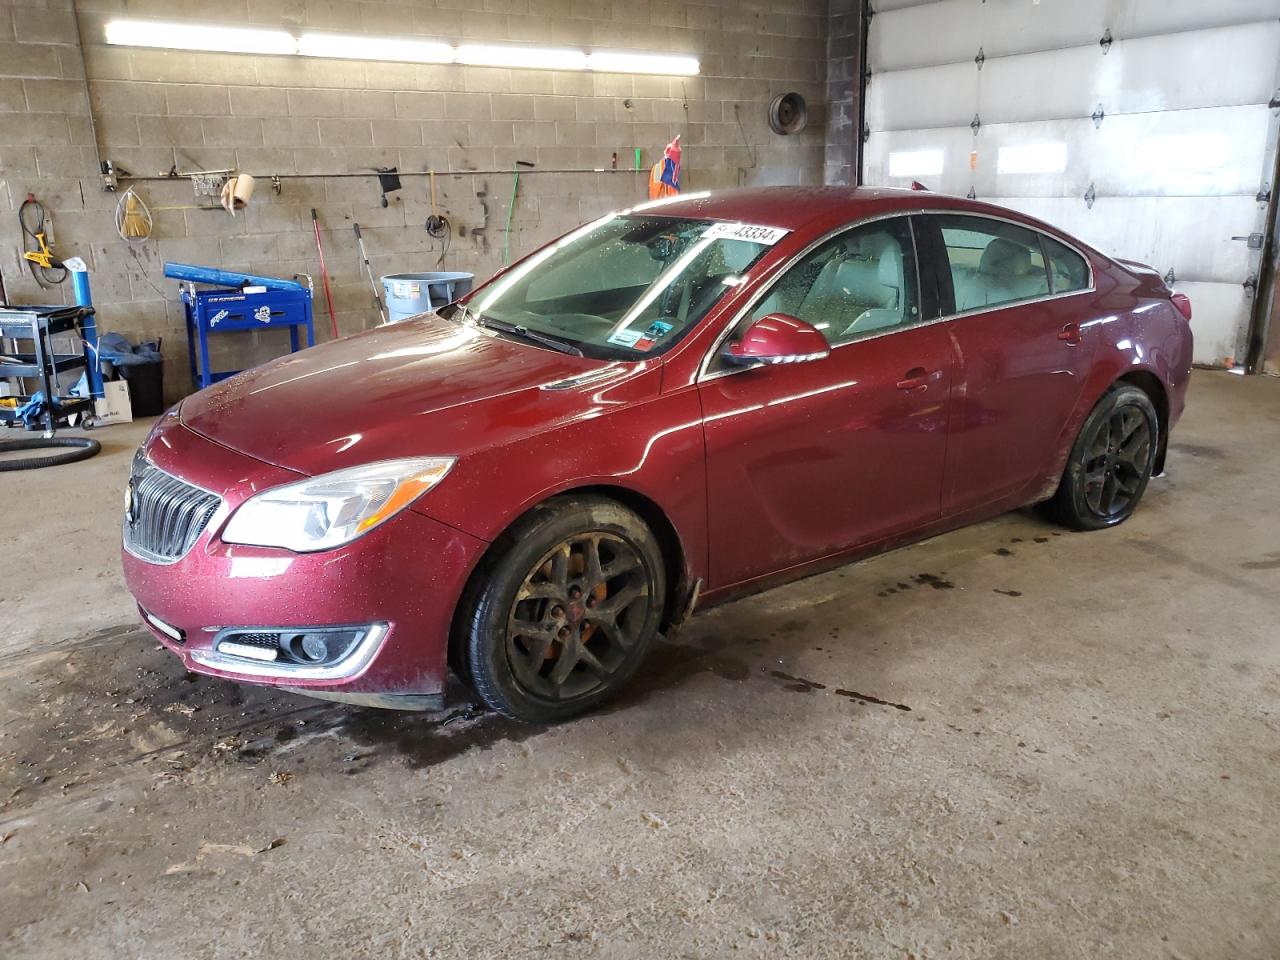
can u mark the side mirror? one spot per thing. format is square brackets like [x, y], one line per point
[778, 338]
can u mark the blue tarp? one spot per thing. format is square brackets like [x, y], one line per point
[116, 349]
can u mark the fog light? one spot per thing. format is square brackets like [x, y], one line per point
[314, 647]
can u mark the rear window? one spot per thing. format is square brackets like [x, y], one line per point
[992, 262]
[1067, 268]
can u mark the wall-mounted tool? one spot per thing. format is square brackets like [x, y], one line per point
[133, 219]
[110, 176]
[37, 243]
[438, 226]
[205, 184]
[511, 209]
[368, 269]
[388, 181]
[324, 274]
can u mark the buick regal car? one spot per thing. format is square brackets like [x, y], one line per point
[666, 408]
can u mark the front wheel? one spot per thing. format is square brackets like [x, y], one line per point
[1110, 463]
[566, 610]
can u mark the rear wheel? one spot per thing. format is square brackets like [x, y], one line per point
[1110, 463]
[566, 612]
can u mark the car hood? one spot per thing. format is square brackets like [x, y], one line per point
[424, 387]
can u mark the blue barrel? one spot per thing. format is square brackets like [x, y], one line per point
[409, 294]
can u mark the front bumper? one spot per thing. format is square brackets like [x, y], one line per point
[406, 574]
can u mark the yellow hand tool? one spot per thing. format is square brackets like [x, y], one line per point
[42, 257]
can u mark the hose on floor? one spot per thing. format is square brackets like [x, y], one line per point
[77, 448]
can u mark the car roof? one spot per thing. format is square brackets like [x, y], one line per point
[795, 208]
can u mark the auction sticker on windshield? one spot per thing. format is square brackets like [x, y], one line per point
[751, 232]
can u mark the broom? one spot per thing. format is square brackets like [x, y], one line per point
[133, 219]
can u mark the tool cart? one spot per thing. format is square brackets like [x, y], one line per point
[28, 359]
[240, 302]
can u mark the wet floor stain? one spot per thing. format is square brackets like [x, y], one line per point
[425, 744]
[1270, 562]
[1203, 451]
[867, 698]
[933, 580]
[890, 590]
[797, 684]
[1003, 552]
[72, 714]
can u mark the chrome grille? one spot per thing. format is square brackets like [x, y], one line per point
[164, 516]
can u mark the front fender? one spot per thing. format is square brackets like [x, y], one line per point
[653, 448]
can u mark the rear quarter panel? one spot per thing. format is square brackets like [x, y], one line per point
[1139, 331]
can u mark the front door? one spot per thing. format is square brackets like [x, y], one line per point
[810, 459]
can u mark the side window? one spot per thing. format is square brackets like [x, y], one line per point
[856, 284]
[992, 262]
[1068, 268]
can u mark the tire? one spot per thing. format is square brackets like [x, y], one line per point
[1110, 462]
[78, 449]
[564, 612]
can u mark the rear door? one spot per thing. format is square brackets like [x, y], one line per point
[1022, 350]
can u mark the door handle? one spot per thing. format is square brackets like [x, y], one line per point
[915, 379]
[1070, 334]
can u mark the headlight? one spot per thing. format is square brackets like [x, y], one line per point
[334, 508]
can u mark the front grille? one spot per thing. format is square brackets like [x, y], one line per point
[164, 516]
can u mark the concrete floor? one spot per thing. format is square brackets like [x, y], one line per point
[1005, 742]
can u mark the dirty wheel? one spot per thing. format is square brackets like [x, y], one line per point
[1110, 463]
[567, 611]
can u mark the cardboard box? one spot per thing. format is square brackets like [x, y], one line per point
[114, 407]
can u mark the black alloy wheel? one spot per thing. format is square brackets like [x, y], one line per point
[565, 611]
[577, 615]
[1117, 462]
[1110, 463]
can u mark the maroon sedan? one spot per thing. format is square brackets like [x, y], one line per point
[674, 404]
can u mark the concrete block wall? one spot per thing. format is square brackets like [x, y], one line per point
[303, 119]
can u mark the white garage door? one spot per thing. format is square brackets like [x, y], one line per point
[1141, 126]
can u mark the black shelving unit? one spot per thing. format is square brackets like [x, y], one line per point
[27, 354]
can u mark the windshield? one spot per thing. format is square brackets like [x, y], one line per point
[622, 286]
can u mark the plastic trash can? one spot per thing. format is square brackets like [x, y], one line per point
[146, 388]
[409, 294]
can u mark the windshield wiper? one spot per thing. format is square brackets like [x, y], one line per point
[524, 333]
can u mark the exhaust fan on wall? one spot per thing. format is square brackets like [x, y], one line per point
[788, 114]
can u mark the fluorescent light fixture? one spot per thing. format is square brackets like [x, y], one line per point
[916, 163]
[513, 55]
[349, 47]
[192, 36]
[222, 39]
[667, 64]
[1032, 158]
